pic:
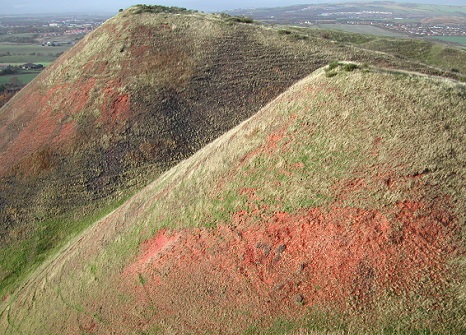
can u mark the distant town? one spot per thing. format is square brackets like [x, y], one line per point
[28, 44]
[46, 28]
[418, 29]
[407, 20]
[407, 28]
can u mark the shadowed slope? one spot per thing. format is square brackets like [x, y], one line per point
[339, 206]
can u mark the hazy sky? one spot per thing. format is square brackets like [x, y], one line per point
[109, 6]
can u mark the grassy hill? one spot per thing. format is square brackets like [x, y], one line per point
[338, 207]
[154, 85]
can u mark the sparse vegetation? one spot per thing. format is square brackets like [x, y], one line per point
[138, 9]
[297, 161]
[427, 52]
[332, 69]
[420, 51]
[241, 19]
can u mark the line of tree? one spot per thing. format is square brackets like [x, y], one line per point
[9, 70]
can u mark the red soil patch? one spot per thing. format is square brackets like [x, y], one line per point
[150, 250]
[348, 258]
[53, 127]
[278, 140]
[116, 107]
[31, 129]
[279, 136]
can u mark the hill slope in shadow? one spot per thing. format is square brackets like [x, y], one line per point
[338, 207]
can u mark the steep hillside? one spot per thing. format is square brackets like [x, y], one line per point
[338, 207]
[144, 91]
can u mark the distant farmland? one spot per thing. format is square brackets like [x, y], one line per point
[23, 78]
[20, 54]
[361, 29]
[454, 39]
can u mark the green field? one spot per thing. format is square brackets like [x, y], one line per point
[361, 29]
[443, 10]
[9, 37]
[24, 78]
[454, 39]
[45, 64]
[18, 53]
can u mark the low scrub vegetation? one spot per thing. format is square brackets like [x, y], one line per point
[138, 9]
[236, 19]
[240, 19]
[332, 69]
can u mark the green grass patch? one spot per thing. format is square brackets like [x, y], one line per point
[453, 39]
[361, 29]
[23, 78]
[26, 49]
[283, 326]
[45, 64]
[332, 69]
[29, 53]
[19, 259]
[155, 9]
[23, 59]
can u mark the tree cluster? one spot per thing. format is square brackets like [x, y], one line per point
[159, 9]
